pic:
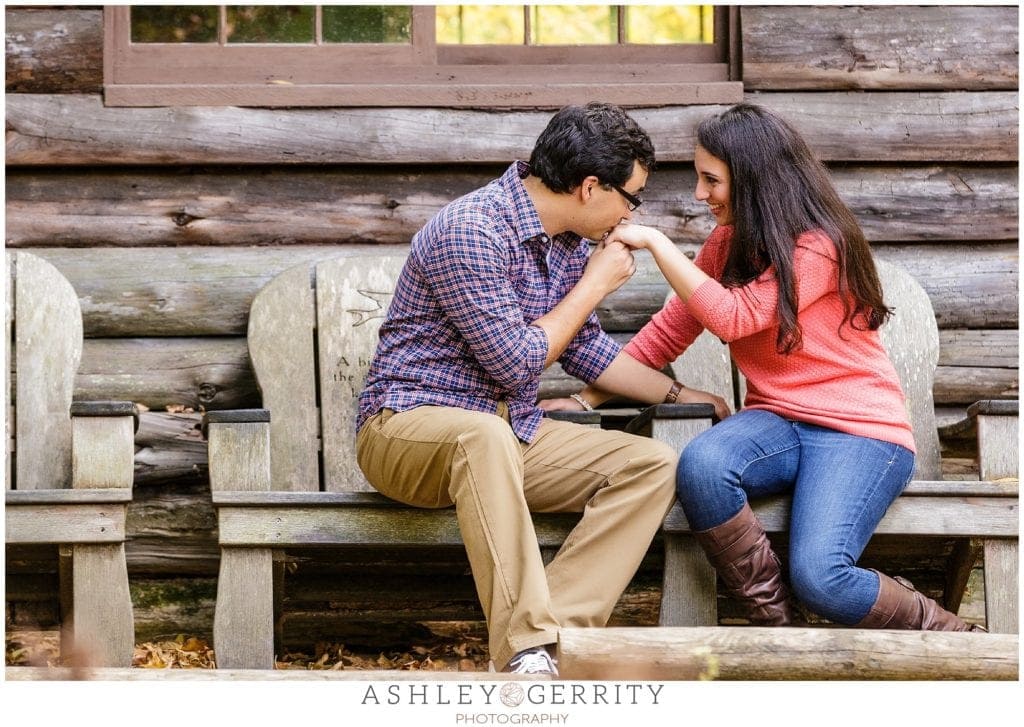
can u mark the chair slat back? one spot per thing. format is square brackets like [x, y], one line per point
[282, 327]
[911, 338]
[706, 365]
[353, 294]
[47, 338]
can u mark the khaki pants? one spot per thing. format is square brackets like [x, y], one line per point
[623, 484]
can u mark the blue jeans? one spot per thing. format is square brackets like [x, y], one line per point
[841, 484]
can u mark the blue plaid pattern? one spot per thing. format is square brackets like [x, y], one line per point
[458, 333]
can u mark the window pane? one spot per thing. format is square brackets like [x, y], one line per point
[670, 24]
[174, 24]
[574, 24]
[270, 23]
[480, 24]
[367, 23]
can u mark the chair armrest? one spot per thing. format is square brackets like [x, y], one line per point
[994, 407]
[234, 416]
[106, 409]
[643, 421]
[239, 449]
[588, 418]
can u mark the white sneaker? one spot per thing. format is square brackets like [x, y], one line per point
[532, 661]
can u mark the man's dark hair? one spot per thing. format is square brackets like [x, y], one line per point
[598, 139]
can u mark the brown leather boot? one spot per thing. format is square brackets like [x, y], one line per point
[899, 606]
[740, 552]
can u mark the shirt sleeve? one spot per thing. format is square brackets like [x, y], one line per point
[672, 329]
[469, 277]
[590, 352]
[733, 313]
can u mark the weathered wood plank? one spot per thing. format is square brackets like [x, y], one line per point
[79, 523]
[101, 452]
[281, 337]
[792, 653]
[884, 126]
[104, 631]
[244, 617]
[925, 515]
[54, 50]
[381, 205]
[880, 47]
[239, 456]
[1002, 608]
[315, 526]
[48, 346]
[197, 291]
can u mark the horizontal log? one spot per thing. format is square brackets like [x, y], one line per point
[879, 47]
[970, 286]
[215, 373]
[212, 372]
[197, 291]
[841, 126]
[380, 205]
[966, 385]
[981, 348]
[762, 653]
[54, 51]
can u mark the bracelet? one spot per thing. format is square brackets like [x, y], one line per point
[673, 393]
[582, 402]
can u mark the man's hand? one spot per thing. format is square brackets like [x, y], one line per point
[563, 404]
[611, 264]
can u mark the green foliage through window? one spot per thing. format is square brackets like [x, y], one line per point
[455, 24]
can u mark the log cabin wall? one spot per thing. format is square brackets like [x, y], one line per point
[168, 220]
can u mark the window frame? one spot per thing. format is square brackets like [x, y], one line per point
[420, 73]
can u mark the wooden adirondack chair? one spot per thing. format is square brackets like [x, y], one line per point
[286, 475]
[69, 466]
[983, 514]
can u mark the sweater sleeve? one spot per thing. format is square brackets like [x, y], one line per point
[672, 329]
[733, 313]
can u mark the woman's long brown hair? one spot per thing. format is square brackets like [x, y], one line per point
[780, 191]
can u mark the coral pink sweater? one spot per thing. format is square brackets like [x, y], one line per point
[842, 382]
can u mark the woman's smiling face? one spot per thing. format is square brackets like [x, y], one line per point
[714, 185]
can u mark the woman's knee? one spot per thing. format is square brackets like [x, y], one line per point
[702, 466]
[827, 589]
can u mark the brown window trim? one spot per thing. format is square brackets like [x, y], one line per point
[417, 74]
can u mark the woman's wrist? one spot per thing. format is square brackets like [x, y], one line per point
[578, 398]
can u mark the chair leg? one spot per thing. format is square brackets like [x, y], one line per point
[104, 628]
[689, 594]
[243, 622]
[1001, 569]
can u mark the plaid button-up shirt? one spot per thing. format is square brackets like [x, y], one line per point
[458, 333]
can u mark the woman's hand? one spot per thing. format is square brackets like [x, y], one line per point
[636, 237]
[695, 396]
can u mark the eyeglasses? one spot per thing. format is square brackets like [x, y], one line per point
[632, 200]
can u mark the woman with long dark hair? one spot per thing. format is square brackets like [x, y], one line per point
[788, 281]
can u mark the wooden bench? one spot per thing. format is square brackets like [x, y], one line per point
[286, 475]
[982, 515]
[69, 466]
